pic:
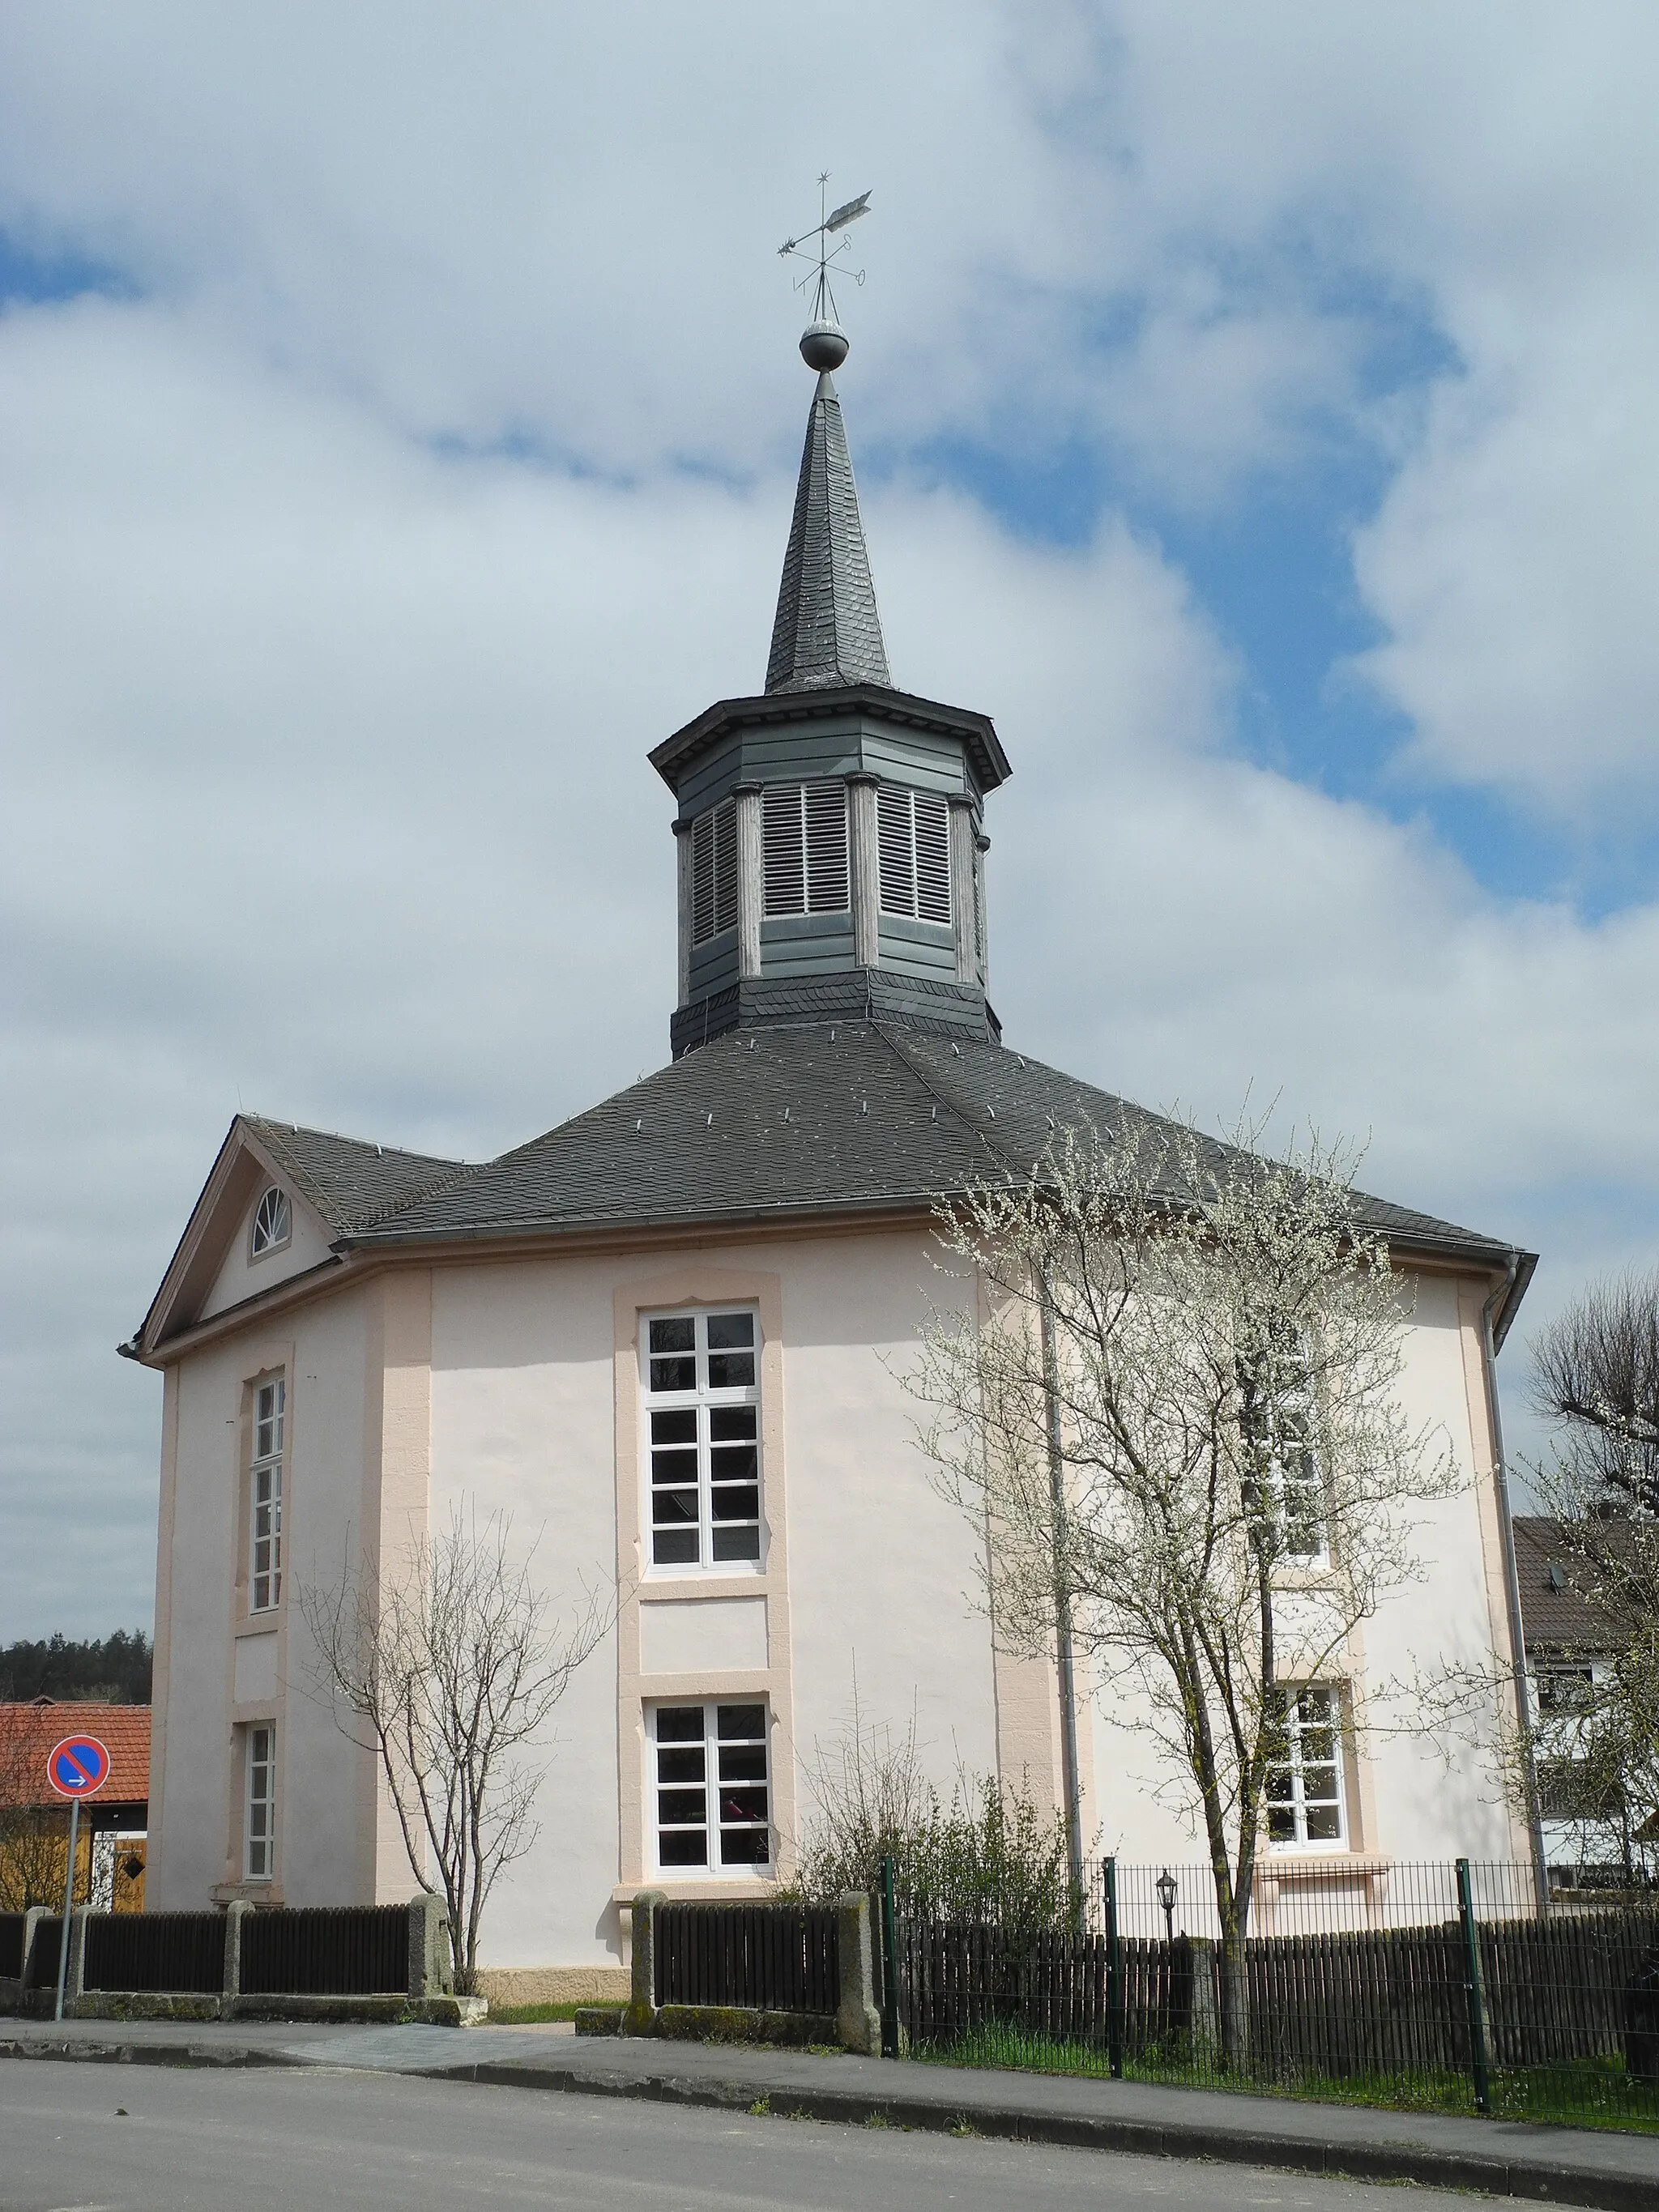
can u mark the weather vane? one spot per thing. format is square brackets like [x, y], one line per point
[823, 343]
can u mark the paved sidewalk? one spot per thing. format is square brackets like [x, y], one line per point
[1608, 2172]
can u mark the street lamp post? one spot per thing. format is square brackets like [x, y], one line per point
[1165, 1885]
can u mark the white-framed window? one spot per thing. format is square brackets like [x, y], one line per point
[265, 1518]
[273, 1223]
[714, 871]
[259, 1804]
[1305, 1798]
[1284, 1488]
[914, 845]
[711, 1800]
[804, 841]
[1564, 1689]
[702, 1386]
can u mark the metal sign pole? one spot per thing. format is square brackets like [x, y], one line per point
[68, 1903]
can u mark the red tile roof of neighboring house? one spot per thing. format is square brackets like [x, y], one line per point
[28, 1734]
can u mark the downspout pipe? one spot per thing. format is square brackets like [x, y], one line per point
[1494, 1305]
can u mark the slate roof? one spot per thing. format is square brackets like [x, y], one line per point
[827, 633]
[780, 1120]
[28, 1734]
[351, 1184]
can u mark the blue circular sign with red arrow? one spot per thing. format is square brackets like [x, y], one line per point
[78, 1766]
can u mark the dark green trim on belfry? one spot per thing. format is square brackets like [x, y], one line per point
[976, 734]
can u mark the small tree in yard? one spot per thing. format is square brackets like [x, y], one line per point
[34, 1837]
[449, 1669]
[989, 1855]
[1178, 1424]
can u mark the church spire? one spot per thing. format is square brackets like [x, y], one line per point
[827, 632]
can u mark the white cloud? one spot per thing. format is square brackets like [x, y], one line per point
[325, 744]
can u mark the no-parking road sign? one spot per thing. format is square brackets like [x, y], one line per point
[78, 1766]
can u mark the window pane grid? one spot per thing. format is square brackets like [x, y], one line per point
[258, 1842]
[272, 1222]
[265, 1498]
[693, 1747]
[702, 1428]
[1305, 1784]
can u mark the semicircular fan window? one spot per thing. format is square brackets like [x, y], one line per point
[272, 1221]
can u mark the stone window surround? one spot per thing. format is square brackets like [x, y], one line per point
[696, 1282]
[265, 1356]
[257, 1252]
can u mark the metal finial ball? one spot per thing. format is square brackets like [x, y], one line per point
[823, 345]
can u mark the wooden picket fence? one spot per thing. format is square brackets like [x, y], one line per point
[774, 1958]
[1336, 2005]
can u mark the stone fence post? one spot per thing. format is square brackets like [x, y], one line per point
[32, 1919]
[431, 1968]
[74, 1980]
[858, 2023]
[235, 1913]
[641, 2017]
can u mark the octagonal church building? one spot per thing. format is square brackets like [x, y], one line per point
[671, 1336]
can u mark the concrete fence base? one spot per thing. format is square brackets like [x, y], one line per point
[429, 1996]
[855, 2025]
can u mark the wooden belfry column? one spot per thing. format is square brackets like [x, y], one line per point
[864, 861]
[751, 883]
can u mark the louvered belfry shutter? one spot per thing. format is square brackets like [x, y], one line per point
[726, 866]
[784, 858]
[825, 808]
[702, 879]
[933, 817]
[898, 874]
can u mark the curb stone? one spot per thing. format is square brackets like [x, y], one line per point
[1539, 2180]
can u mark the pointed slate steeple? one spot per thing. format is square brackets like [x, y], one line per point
[827, 633]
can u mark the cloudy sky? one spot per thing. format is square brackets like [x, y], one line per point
[398, 410]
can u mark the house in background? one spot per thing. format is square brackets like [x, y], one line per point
[673, 1333]
[112, 1845]
[1588, 1838]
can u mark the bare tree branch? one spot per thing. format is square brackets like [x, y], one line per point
[1241, 1487]
[451, 1666]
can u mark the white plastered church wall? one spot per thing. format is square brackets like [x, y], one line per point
[1403, 1800]
[321, 1350]
[242, 1276]
[881, 1571]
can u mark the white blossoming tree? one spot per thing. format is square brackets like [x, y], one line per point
[1177, 1418]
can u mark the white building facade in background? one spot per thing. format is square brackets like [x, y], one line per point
[670, 1339]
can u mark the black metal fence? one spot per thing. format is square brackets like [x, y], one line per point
[351, 1951]
[774, 1957]
[177, 1951]
[323, 1951]
[1448, 1986]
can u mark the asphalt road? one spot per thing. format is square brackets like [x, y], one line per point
[288, 2141]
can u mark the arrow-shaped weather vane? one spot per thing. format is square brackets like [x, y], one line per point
[821, 256]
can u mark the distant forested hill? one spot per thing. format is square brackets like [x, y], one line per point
[115, 1671]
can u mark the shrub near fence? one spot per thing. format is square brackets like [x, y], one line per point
[11, 1945]
[770, 1958]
